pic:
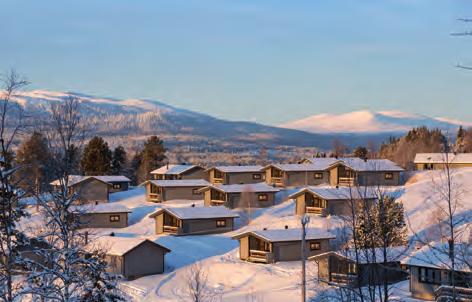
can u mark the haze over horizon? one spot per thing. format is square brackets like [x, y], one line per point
[270, 62]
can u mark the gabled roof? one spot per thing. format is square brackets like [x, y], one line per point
[260, 187]
[108, 179]
[100, 208]
[317, 166]
[440, 158]
[237, 169]
[184, 213]
[281, 235]
[174, 169]
[340, 193]
[361, 165]
[394, 254]
[179, 183]
[120, 246]
[321, 160]
[436, 255]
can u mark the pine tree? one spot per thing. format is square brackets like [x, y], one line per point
[150, 158]
[118, 162]
[361, 152]
[96, 159]
[34, 153]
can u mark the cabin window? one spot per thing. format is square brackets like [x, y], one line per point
[155, 189]
[319, 203]
[429, 275]
[318, 175]
[263, 197]
[114, 218]
[217, 195]
[352, 269]
[221, 223]
[217, 174]
[195, 191]
[256, 176]
[388, 175]
[276, 173]
[116, 186]
[315, 246]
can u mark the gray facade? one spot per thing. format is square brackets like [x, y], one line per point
[214, 197]
[167, 223]
[103, 220]
[91, 190]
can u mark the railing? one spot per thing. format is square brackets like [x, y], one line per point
[216, 202]
[315, 210]
[277, 181]
[259, 256]
[444, 293]
[153, 197]
[343, 278]
[346, 181]
[171, 229]
[218, 180]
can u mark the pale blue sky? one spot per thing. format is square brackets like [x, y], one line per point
[268, 61]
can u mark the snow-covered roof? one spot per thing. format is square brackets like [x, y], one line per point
[101, 208]
[321, 160]
[333, 193]
[236, 188]
[173, 169]
[439, 158]
[436, 255]
[75, 179]
[237, 169]
[180, 183]
[280, 235]
[359, 164]
[394, 254]
[119, 246]
[197, 212]
[317, 166]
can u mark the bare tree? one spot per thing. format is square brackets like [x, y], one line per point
[246, 203]
[12, 124]
[197, 286]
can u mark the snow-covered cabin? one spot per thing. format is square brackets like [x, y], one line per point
[270, 246]
[325, 201]
[94, 189]
[295, 175]
[256, 195]
[182, 171]
[341, 267]
[436, 161]
[193, 220]
[164, 190]
[104, 215]
[229, 175]
[430, 269]
[132, 257]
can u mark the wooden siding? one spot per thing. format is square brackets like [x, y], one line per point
[196, 226]
[234, 178]
[91, 191]
[124, 186]
[171, 193]
[102, 220]
[426, 166]
[145, 259]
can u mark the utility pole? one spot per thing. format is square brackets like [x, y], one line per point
[305, 220]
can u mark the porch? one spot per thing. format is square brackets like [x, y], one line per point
[217, 198]
[260, 250]
[171, 224]
[346, 176]
[155, 197]
[315, 205]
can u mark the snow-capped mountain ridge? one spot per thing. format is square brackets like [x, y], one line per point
[365, 121]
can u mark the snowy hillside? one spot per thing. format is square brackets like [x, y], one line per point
[371, 122]
[235, 280]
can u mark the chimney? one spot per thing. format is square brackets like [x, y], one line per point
[193, 205]
[167, 166]
[112, 234]
[96, 202]
[337, 186]
[86, 237]
[286, 227]
[264, 229]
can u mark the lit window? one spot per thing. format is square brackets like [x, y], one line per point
[256, 176]
[315, 246]
[114, 218]
[388, 175]
[195, 191]
[221, 223]
[318, 175]
[116, 186]
[262, 197]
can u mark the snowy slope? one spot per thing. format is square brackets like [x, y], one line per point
[371, 122]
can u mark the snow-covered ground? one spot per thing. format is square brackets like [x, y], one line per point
[236, 280]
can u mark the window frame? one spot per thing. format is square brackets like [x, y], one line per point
[195, 191]
[429, 275]
[262, 197]
[315, 245]
[388, 175]
[117, 186]
[221, 223]
[111, 218]
[256, 176]
[318, 175]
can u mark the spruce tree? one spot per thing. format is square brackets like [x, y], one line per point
[119, 160]
[361, 152]
[150, 158]
[34, 153]
[96, 159]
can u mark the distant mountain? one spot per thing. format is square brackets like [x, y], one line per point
[367, 122]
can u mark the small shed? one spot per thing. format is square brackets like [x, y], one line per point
[194, 220]
[257, 195]
[133, 257]
[230, 175]
[164, 190]
[269, 246]
[105, 215]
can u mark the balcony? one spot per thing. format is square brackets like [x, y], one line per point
[343, 278]
[171, 229]
[278, 181]
[315, 210]
[217, 180]
[347, 181]
[260, 256]
[153, 197]
[217, 202]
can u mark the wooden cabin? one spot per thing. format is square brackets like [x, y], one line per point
[94, 189]
[430, 271]
[353, 171]
[437, 161]
[259, 195]
[325, 201]
[230, 175]
[164, 190]
[174, 172]
[296, 175]
[194, 220]
[133, 257]
[105, 215]
[270, 246]
[341, 267]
